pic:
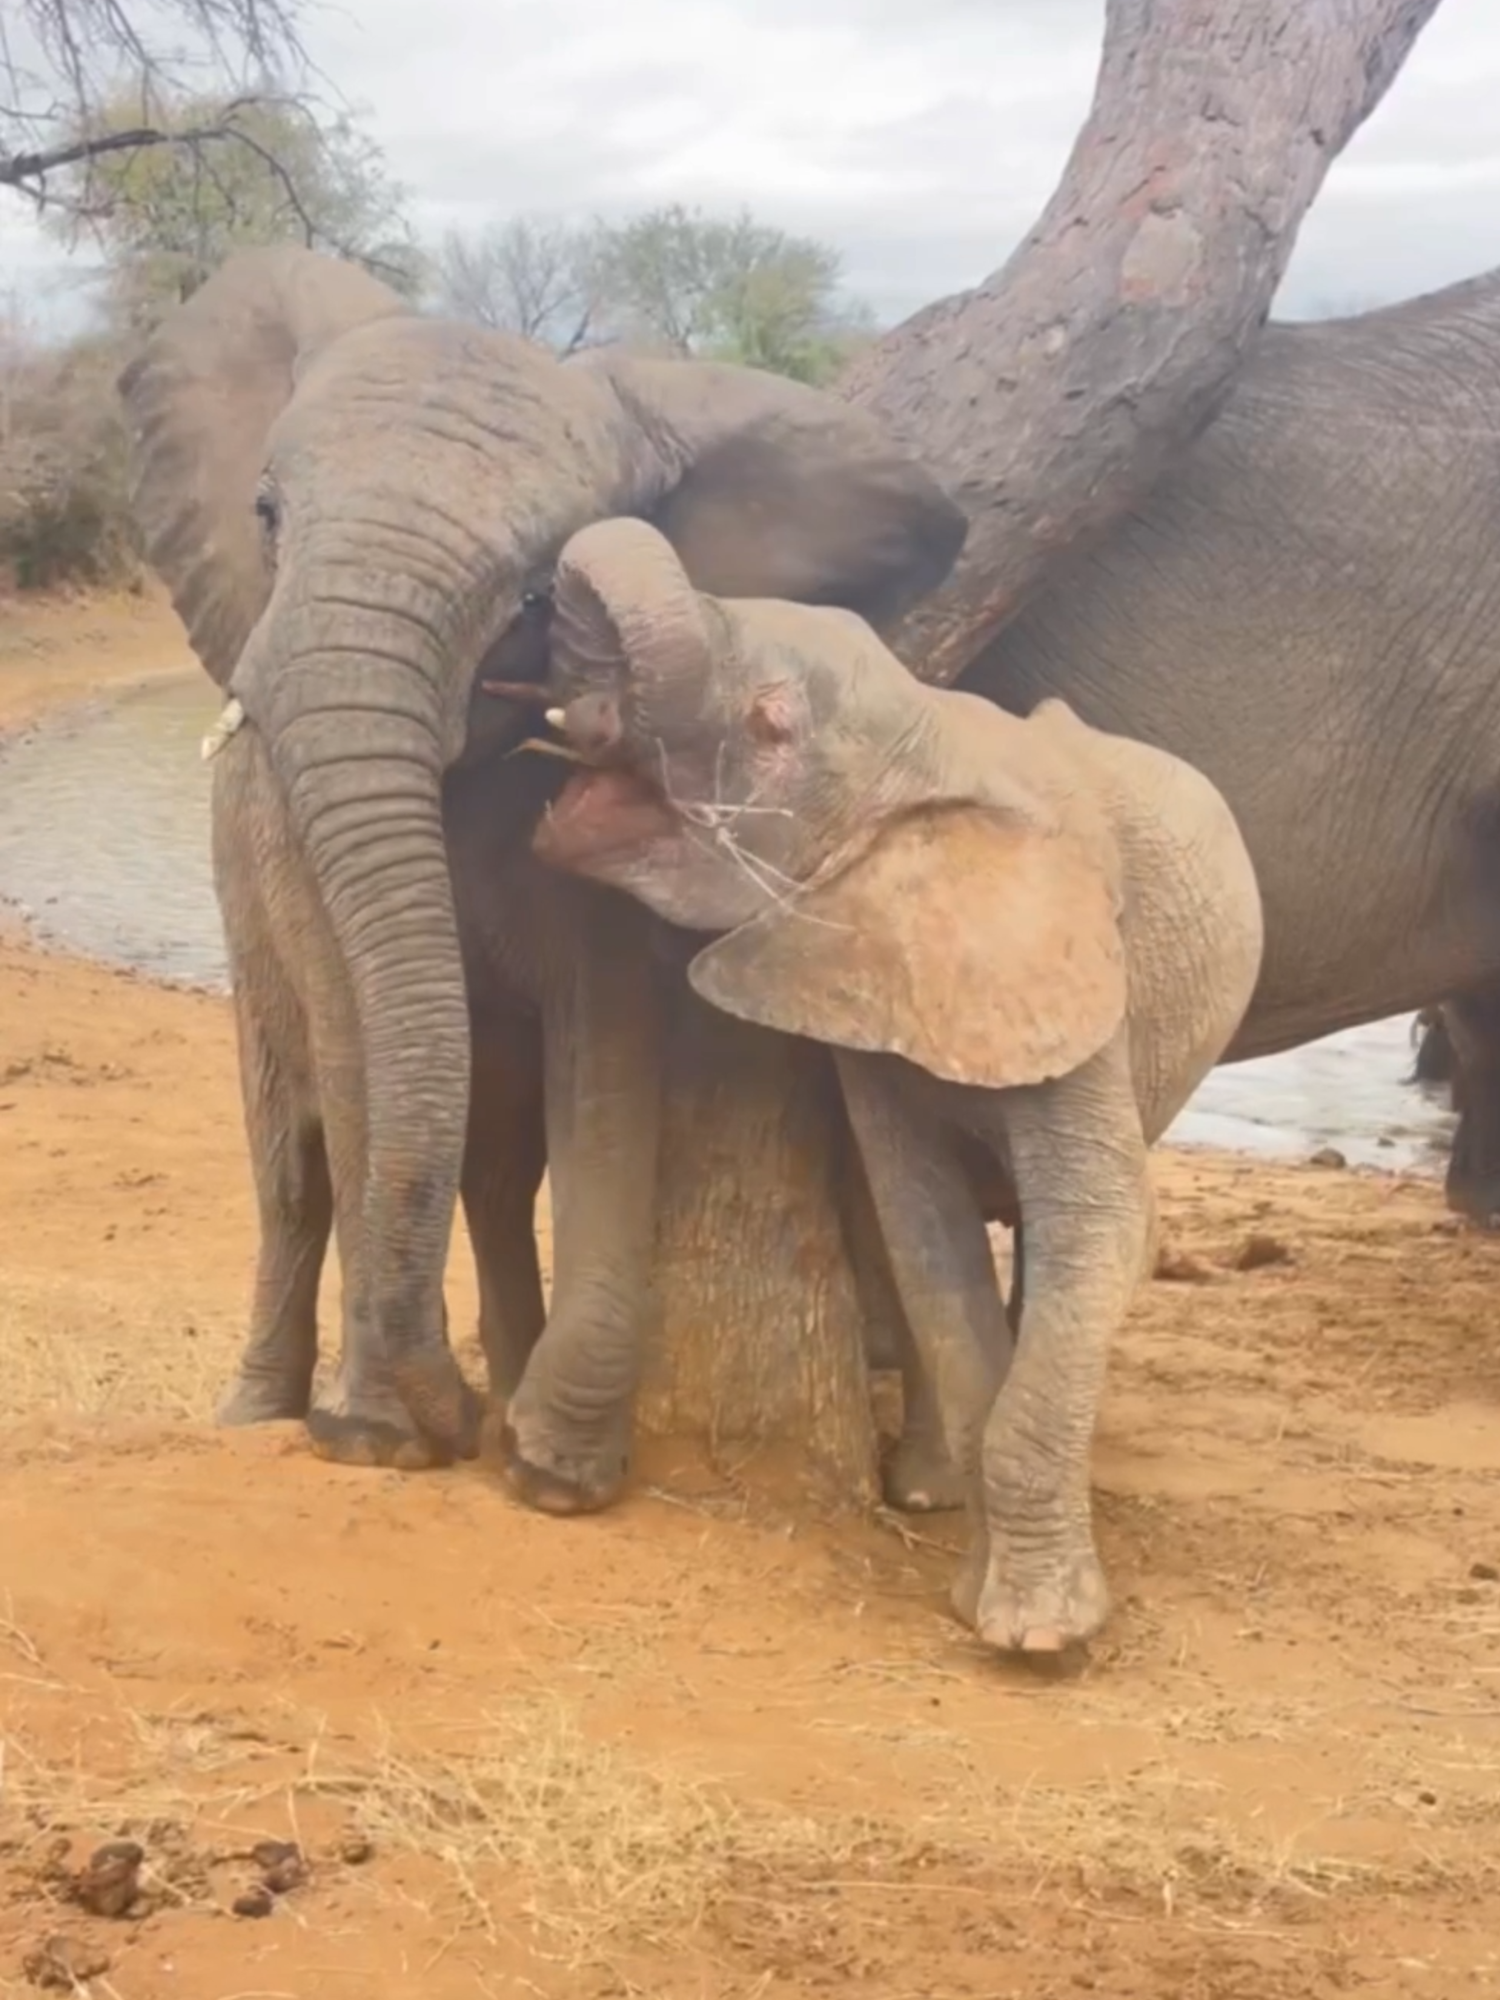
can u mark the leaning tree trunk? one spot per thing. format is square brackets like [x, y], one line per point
[1048, 400]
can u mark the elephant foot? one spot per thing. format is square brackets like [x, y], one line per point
[554, 1473]
[1031, 1608]
[920, 1478]
[371, 1425]
[264, 1399]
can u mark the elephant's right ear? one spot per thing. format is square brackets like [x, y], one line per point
[200, 401]
[774, 489]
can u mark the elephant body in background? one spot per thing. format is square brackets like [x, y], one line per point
[1307, 609]
[1022, 937]
[357, 510]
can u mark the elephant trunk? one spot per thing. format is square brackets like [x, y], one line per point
[623, 601]
[356, 736]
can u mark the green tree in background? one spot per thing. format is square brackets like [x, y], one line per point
[167, 216]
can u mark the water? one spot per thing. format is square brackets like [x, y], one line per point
[104, 849]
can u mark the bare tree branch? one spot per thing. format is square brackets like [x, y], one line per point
[1051, 397]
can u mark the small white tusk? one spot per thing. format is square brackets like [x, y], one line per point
[232, 719]
[557, 717]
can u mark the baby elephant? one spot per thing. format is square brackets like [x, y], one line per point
[1021, 934]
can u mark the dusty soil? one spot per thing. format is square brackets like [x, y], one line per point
[708, 1745]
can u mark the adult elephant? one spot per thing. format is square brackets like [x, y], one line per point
[357, 509]
[1307, 608]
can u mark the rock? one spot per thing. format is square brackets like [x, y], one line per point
[62, 1965]
[1327, 1156]
[355, 1850]
[1257, 1251]
[109, 1882]
[281, 1865]
[256, 1901]
[1484, 1572]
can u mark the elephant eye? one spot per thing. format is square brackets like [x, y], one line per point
[267, 512]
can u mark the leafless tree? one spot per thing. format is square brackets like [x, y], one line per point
[528, 276]
[61, 62]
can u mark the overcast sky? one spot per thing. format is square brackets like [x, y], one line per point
[919, 136]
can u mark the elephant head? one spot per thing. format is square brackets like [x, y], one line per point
[357, 510]
[888, 876]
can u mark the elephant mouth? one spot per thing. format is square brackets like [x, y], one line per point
[603, 815]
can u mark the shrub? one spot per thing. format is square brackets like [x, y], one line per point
[64, 509]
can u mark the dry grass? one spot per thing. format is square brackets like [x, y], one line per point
[528, 1815]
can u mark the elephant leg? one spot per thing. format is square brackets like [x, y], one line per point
[932, 1226]
[917, 1475]
[1472, 1186]
[567, 1433]
[288, 1159]
[294, 1201]
[1033, 1581]
[505, 1159]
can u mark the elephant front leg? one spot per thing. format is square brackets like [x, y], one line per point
[1033, 1581]
[294, 1201]
[566, 1440]
[283, 1127]
[504, 1162]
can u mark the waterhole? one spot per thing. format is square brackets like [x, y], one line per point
[104, 850]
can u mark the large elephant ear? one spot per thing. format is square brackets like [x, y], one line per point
[981, 945]
[200, 400]
[774, 489]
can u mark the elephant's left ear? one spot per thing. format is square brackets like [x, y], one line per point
[768, 488]
[983, 946]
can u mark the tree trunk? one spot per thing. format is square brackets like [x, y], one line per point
[1048, 400]
[760, 1336]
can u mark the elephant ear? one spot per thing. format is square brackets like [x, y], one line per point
[200, 401]
[982, 945]
[774, 489]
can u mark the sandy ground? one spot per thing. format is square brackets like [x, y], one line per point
[702, 1747]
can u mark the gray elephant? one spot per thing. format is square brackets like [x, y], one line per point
[357, 510]
[1300, 609]
[1025, 934]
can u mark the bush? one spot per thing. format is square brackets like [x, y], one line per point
[64, 509]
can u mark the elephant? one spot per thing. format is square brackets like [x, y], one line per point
[1300, 609]
[357, 508]
[1025, 936]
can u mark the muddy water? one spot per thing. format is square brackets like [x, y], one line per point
[104, 849]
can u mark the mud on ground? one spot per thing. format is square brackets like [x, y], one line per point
[710, 1745]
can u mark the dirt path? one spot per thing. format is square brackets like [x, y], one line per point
[706, 1745]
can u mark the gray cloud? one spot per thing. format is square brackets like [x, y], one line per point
[922, 139]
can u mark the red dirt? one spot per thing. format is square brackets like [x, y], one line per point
[709, 1744]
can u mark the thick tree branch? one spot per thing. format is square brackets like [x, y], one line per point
[1050, 398]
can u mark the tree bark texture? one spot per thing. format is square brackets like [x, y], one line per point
[760, 1332]
[1050, 398]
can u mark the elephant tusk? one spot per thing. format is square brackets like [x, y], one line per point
[530, 692]
[542, 749]
[556, 718]
[231, 719]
